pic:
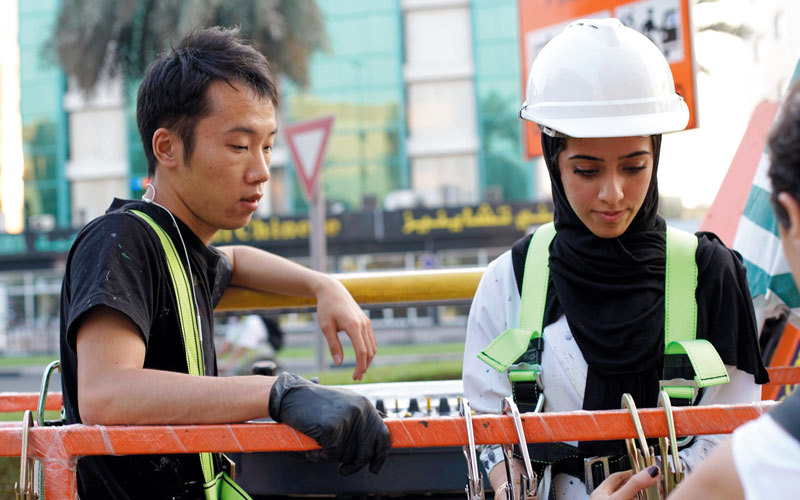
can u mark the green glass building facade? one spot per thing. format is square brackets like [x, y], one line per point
[360, 82]
[44, 121]
[498, 89]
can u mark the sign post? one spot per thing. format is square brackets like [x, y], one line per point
[307, 142]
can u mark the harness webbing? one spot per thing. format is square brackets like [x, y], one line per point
[680, 317]
[188, 320]
[518, 350]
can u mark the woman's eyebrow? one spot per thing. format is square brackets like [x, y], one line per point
[634, 154]
[595, 158]
[585, 157]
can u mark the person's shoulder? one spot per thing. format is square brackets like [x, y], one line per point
[712, 251]
[501, 263]
[118, 216]
[117, 228]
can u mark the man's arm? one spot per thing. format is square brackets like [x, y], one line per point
[336, 309]
[114, 388]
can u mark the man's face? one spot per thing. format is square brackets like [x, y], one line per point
[790, 240]
[224, 179]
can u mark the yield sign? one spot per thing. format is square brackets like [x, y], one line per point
[307, 142]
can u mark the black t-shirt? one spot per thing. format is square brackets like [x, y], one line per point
[117, 261]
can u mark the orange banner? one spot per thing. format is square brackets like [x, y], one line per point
[666, 22]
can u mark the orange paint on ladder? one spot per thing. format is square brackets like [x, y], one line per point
[59, 447]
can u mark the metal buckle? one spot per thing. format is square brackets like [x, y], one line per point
[588, 472]
[679, 382]
[474, 487]
[529, 367]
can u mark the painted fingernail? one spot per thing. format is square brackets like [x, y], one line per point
[653, 471]
[337, 359]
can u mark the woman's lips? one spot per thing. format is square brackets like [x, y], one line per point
[612, 216]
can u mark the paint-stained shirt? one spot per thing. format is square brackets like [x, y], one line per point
[117, 262]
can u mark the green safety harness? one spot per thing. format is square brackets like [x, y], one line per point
[221, 486]
[518, 351]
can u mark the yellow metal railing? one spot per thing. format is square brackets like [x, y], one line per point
[374, 288]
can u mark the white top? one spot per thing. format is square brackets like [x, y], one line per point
[495, 308]
[249, 332]
[767, 459]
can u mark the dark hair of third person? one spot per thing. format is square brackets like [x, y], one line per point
[173, 92]
[784, 153]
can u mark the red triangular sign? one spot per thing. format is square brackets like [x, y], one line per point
[307, 142]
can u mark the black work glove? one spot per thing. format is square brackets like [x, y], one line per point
[345, 424]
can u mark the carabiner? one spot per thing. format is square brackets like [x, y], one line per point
[474, 488]
[24, 489]
[527, 480]
[672, 475]
[646, 458]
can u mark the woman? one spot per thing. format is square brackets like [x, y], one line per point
[603, 94]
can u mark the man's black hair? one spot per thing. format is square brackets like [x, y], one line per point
[173, 92]
[784, 153]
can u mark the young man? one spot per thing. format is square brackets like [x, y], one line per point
[762, 458]
[206, 114]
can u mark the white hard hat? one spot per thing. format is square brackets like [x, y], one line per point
[599, 78]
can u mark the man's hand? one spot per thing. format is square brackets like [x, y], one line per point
[336, 309]
[625, 485]
[336, 312]
[345, 424]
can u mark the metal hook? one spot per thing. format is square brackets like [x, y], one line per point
[646, 458]
[474, 486]
[38, 473]
[528, 479]
[24, 488]
[672, 475]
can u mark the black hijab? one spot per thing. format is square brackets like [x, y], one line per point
[612, 293]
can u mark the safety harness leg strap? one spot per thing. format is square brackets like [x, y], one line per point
[219, 486]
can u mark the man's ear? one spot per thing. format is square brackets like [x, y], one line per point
[166, 146]
[792, 208]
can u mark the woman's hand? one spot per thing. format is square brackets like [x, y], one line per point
[336, 312]
[499, 483]
[625, 485]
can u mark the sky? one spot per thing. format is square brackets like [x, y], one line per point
[738, 74]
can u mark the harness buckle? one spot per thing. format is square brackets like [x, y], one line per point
[589, 472]
[526, 372]
[680, 388]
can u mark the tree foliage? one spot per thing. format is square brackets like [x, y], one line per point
[96, 38]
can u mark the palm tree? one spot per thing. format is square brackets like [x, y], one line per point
[99, 38]
[738, 30]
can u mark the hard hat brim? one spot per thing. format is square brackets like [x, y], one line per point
[617, 126]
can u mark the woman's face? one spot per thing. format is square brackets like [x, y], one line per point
[606, 180]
